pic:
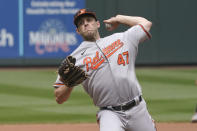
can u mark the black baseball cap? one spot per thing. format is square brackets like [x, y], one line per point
[83, 12]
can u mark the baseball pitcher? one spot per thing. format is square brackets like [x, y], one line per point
[106, 69]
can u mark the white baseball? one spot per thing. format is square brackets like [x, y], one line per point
[107, 25]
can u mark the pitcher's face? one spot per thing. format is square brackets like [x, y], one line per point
[88, 27]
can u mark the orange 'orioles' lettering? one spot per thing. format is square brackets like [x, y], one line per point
[87, 61]
[96, 61]
[121, 59]
[111, 49]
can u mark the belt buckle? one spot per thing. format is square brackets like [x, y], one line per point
[110, 107]
[122, 105]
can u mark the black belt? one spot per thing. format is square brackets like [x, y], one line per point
[124, 107]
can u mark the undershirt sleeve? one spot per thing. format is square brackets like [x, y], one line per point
[58, 83]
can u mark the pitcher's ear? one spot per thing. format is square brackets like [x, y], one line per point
[77, 30]
[98, 24]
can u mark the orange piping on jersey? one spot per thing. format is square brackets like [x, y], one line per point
[58, 84]
[147, 33]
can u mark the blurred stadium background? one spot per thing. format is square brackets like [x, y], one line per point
[40, 33]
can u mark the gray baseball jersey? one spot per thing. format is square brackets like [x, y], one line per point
[110, 64]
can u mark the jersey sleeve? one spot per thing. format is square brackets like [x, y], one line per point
[58, 83]
[138, 34]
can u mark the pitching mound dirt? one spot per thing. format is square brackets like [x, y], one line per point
[92, 127]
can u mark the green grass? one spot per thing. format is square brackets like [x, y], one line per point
[26, 96]
[171, 94]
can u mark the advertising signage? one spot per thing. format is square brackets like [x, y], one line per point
[9, 29]
[38, 28]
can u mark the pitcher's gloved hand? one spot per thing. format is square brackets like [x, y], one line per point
[70, 74]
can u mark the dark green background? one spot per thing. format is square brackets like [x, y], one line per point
[174, 27]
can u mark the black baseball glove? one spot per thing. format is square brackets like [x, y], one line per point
[70, 74]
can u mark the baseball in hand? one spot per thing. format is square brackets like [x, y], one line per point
[108, 26]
